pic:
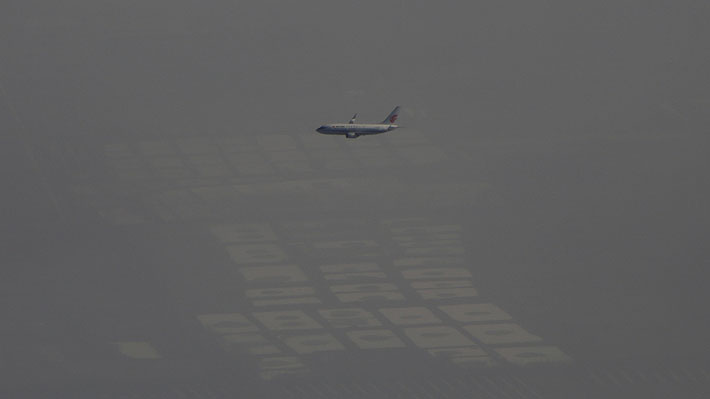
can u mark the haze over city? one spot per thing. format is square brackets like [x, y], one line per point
[174, 226]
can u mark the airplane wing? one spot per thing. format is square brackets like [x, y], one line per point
[352, 120]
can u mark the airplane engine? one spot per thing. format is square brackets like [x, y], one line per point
[351, 135]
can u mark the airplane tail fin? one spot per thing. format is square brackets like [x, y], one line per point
[392, 117]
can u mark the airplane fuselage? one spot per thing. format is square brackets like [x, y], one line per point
[355, 129]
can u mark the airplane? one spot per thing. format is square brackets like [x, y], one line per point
[352, 130]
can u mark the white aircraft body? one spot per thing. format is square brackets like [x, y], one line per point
[352, 130]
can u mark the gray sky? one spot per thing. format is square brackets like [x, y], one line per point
[165, 190]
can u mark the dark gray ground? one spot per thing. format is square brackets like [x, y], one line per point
[163, 185]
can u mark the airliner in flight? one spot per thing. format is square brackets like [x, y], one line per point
[352, 130]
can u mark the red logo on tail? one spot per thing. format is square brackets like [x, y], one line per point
[393, 118]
